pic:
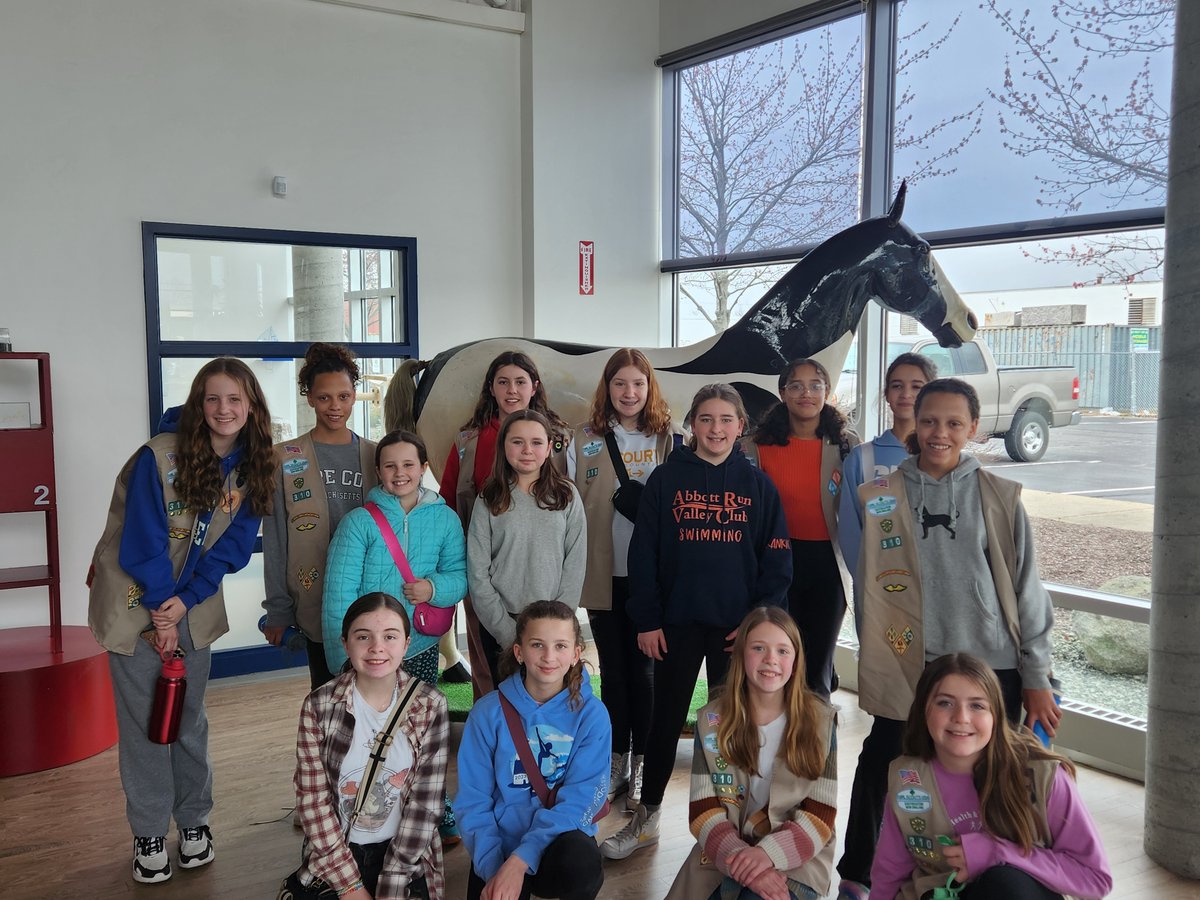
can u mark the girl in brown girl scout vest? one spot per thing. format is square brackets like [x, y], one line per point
[512, 383]
[184, 514]
[977, 799]
[322, 475]
[628, 416]
[947, 565]
[764, 776]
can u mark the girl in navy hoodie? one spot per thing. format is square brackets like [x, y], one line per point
[518, 845]
[710, 544]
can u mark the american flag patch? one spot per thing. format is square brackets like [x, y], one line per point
[713, 718]
[909, 776]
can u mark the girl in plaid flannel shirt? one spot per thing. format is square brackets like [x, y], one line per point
[391, 851]
[764, 776]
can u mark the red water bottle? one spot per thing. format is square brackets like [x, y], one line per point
[168, 702]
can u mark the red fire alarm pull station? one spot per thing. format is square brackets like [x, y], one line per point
[587, 268]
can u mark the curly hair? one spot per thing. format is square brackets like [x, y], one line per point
[323, 358]
[776, 427]
[559, 612]
[199, 480]
[801, 748]
[655, 417]
[552, 490]
[1000, 774]
[942, 386]
[487, 409]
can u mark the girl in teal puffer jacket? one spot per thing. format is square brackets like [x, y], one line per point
[430, 535]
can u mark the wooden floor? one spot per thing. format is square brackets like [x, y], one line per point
[63, 832]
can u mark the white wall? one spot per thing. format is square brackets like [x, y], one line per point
[179, 111]
[593, 170]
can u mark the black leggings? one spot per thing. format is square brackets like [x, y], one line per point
[674, 681]
[369, 859]
[626, 673]
[570, 869]
[869, 791]
[318, 669]
[1007, 883]
[817, 603]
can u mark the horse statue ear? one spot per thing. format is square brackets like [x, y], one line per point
[897, 209]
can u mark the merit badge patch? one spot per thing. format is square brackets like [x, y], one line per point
[881, 506]
[832, 487]
[295, 466]
[179, 534]
[891, 543]
[307, 579]
[721, 763]
[895, 588]
[900, 641]
[172, 475]
[297, 483]
[914, 800]
[133, 597]
[917, 824]
[593, 448]
[710, 743]
[887, 525]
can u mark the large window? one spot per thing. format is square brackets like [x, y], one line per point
[1034, 142]
[264, 296]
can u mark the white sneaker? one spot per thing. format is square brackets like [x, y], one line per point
[618, 775]
[150, 861]
[634, 798]
[642, 831]
[195, 847]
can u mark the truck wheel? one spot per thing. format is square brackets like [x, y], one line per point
[1029, 436]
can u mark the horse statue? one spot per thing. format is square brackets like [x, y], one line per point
[813, 311]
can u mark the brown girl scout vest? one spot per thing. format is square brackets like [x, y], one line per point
[306, 509]
[892, 642]
[913, 797]
[115, 612]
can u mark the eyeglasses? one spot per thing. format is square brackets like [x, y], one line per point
[799, 387]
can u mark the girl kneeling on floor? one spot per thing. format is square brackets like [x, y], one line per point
[975, 798]
[764, 776]
[377, 724]
[519, 844]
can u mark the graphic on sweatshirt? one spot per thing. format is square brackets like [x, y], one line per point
[929, 521]
[380, 799]
[710, 516]
[550, 749]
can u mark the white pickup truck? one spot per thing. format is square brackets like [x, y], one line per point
[1018, 403]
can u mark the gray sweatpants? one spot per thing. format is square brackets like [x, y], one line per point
[162, 780]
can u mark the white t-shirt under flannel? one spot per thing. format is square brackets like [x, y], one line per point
[380, 816]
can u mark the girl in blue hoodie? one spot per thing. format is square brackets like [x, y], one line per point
[710, 544]
[517, 845]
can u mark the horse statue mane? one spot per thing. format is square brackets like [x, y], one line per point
[812, 311]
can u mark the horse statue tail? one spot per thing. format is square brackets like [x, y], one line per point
[400, 397]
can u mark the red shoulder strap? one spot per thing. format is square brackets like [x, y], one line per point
[389, 538]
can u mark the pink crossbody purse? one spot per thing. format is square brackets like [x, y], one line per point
[429, 620]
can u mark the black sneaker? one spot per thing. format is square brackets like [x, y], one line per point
[150, 861]
[195, 847]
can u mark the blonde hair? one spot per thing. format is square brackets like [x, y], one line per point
[801, 749]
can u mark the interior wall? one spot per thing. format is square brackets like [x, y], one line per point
[592, 123]
[177, 111]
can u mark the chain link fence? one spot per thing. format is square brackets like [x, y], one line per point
[1124, 382]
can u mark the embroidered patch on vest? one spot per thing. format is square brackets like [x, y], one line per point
[722, 778]
[304, 515]
[301, 495]
[292, 448]
[920, 846]
[893, 573]
[558, 445]
[895, 588]
[593, 448]
[832, 487]
[297, 483]
[231, 501]
[900, 641]
[307, 580]
[179, 534]
[306, 526]
[910, 777]
[721, 764]
[887, 525]
[914, 800]
[881, 506]
[713, 718]
[591, 473]
[710, 743]
[295, 466]
[176, 507]
[172, 475]
[133, 597]
[891, 543]
[917, 824]
[171, 458]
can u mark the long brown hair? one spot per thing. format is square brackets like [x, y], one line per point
[718, 391]
[547, 609]
[1001, 775]
[487, 409]
[655, 417]
[775, 427]
[552, 490]
[198, 480]
[801, 748]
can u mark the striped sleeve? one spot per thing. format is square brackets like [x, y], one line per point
[810, 826]
[708, 819]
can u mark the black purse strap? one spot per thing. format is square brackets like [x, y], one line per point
[379, 748]
[610, 441]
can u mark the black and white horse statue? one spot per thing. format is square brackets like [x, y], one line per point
[812, 311]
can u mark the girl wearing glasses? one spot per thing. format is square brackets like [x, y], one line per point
[801, 444]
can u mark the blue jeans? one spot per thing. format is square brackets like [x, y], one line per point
[731, 890]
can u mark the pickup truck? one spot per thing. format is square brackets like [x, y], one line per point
[1018, 403]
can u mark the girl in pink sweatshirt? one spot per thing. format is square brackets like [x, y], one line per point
[978, 800]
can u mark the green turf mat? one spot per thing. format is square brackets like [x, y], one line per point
[459, 698]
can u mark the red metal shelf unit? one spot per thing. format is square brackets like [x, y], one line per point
[27, 456]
